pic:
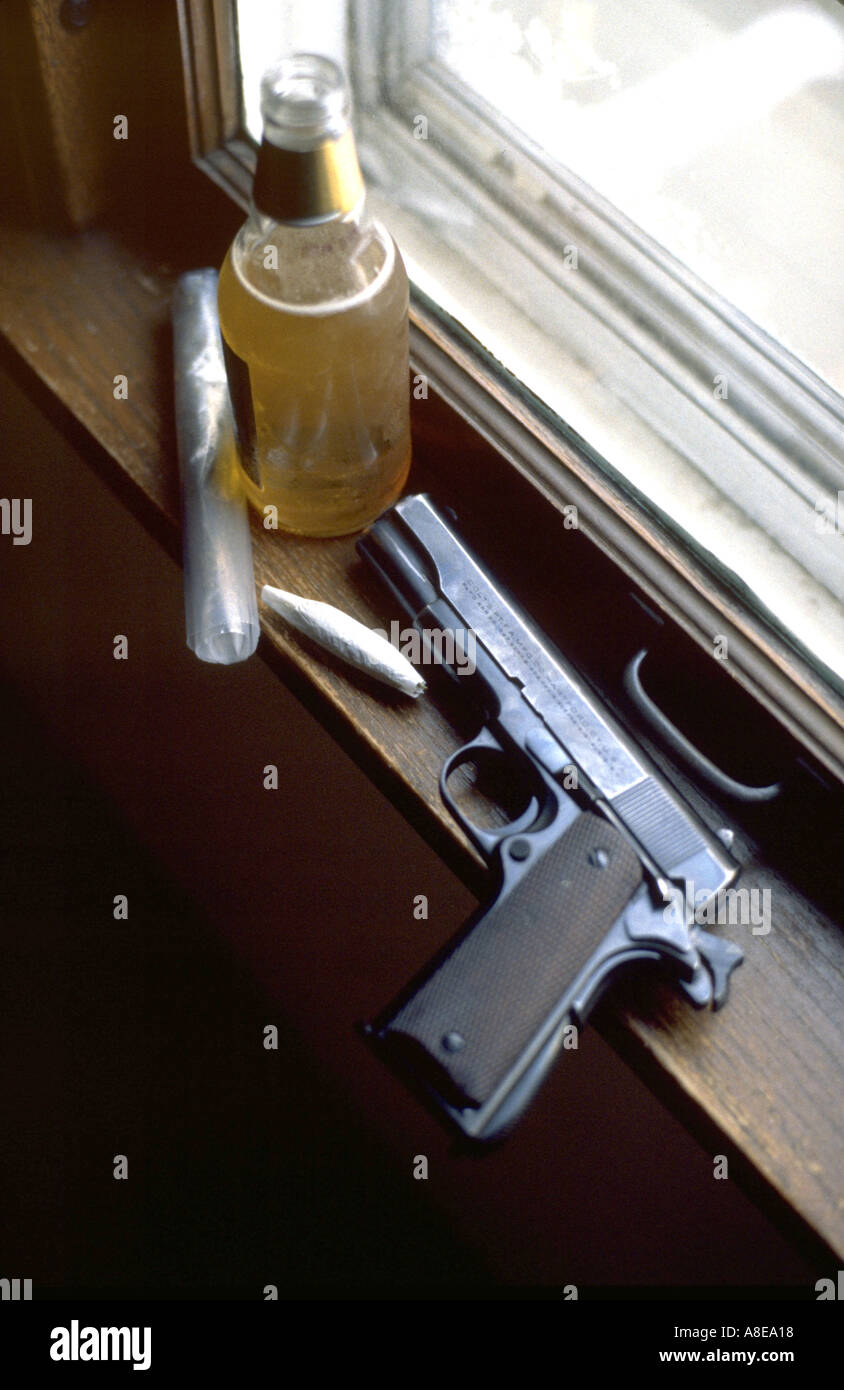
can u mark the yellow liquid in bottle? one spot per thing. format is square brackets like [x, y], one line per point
[319, 385]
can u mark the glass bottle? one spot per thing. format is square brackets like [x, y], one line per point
[313, 301]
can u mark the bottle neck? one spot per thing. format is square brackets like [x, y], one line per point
[304, 187]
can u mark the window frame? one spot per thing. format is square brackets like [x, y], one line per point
[705, 601]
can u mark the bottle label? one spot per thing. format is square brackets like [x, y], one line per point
[301, 187]
[240, 390]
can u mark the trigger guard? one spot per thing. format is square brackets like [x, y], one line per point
[487, 841]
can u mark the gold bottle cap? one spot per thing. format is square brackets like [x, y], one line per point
[307, 165]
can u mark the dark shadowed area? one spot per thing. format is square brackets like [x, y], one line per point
[144, 1037]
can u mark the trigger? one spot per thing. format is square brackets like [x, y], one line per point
[484, 740]
[488, 840]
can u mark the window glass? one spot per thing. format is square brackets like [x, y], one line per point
[716, 127]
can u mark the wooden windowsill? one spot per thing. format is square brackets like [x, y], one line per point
[756, 1078]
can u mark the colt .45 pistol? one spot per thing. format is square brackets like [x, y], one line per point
[594, 873]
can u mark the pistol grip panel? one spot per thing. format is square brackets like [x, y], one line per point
[478, 1011]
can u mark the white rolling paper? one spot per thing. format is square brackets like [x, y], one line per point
[338, 632]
